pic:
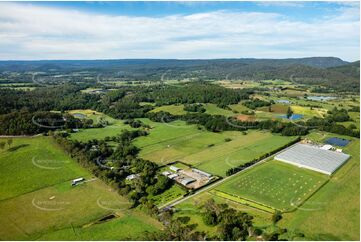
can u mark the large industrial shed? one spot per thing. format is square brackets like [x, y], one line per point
[314, 158]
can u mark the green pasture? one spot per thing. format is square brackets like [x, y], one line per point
[275, 184]
[209, 151]
[37, 199]
[34, 163]
[333, 213]
[172, 109]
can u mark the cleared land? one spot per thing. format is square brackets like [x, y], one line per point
[211, 109]
[114, 127]
[37, 200]
[169, 142]
[274, 184]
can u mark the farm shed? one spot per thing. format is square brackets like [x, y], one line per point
[174, 168]
[202, 173]
[313, 158]
[186, 181]
[172, 176]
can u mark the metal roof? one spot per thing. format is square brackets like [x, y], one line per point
[314, 158]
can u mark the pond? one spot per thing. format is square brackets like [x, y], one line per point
[283, 101]
[294, 116]
[337, 141]
[320, 98]
[79, 115]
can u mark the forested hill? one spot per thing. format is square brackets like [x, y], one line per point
[46, 65]
[327, 71]
[352, 69]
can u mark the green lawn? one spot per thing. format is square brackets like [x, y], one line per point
[37, 199]
[333, 213]
[275, 184]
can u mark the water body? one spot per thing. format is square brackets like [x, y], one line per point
[337, 141]
[283, 101]
[79, 115]
[320, 98]
[294, 116]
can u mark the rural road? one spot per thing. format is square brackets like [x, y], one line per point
[178, 201]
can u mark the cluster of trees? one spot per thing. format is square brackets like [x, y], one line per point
[124, 162]
[338, 115]
[232, 224]
[256, 103]
[24, 122]
[195, 92]
[196, 107]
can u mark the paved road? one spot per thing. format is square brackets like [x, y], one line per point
[178, 201]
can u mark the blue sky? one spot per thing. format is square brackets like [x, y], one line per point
[102, 30]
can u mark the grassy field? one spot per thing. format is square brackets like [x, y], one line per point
[168, 142]
[333, 213]
[275, 184]
[169, 195]
[114, 127]
[37, 199]
[35, 163]
[211, 109]
[172, 109]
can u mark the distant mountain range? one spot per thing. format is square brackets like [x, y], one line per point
[328, 71]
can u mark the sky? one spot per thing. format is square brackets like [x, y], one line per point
[178, 30]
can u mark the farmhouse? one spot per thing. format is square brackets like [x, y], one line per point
[313, 157]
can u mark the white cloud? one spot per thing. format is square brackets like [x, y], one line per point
[33, 32]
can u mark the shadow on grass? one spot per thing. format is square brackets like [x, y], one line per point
[15, 148]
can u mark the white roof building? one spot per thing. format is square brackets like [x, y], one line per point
[313, 158]
[326, 147]
[172, 176]
[132, 177]
[174, 168]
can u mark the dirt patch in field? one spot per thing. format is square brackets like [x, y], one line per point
[275, 108]
[244, 117]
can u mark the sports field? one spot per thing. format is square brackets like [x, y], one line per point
[211, 152]
[114, 127]
[37, 199]
[274, 184]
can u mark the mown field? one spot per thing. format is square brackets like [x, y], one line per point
[37, 200]
[333, 213]
[212, 152]
[275, 184]
[114, 127]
